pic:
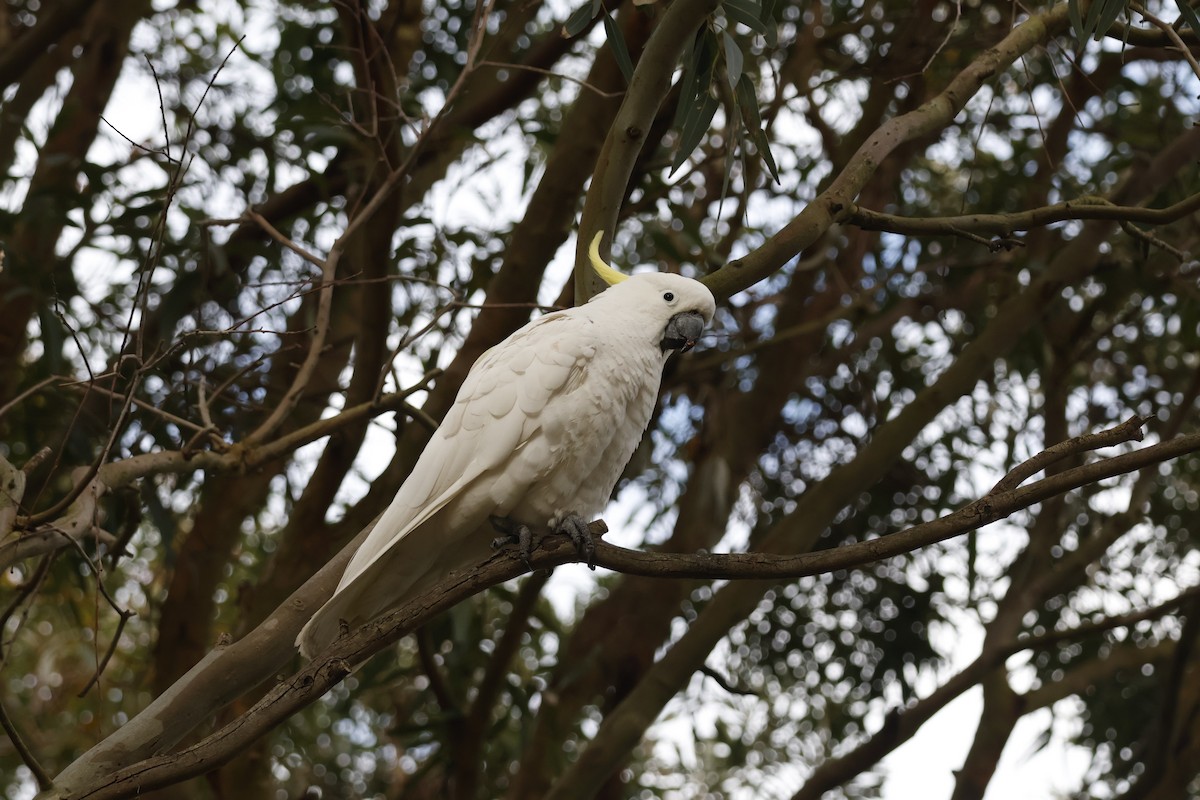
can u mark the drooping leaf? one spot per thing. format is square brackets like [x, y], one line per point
[734, 59]
[747, 12]
[1111, 9]
[578, 22]
[1076, 20]
[1189, 16]
[620, 50]
[694, 57]
[1100, 17]
[695, 125]
[747, 102]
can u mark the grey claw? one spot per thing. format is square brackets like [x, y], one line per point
[576, 528]
[514, 532]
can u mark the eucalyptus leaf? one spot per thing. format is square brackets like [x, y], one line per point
[747, 102]
[578, 22]
[695, 125]
[747, 12]
[620, 50]
[1189, 16]
[1109, 13]
[1076, 19]
[1100, 18]
[734, 60]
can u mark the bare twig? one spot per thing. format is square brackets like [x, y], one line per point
[945, 40]
[37, 387]
[36, 460]
[1171, 34]
[1004, 224]
[273, 232]
[725, 683]
[1128, 431]
[1153, 241]
[23, 593]
[167, 416]
[315, 348]
[39, 774]
[551, 74]
[120, 473]
[123, 617]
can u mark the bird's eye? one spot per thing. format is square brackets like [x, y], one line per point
[668, 296]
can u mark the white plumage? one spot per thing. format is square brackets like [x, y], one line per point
[542, 427]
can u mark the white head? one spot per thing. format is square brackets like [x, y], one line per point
[682, 306]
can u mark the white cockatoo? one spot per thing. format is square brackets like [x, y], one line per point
[541, 430]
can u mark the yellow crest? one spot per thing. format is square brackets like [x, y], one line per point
[606, 273]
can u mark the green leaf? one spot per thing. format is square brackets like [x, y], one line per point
[1100, 18]
[578, 22]
[747, 12]
[734, 60]
[1189, 16]
[695, 125]
[686, 81]
[1076, 19]
[619, 49]
[738, 134]
[768, 18]
[747, 103]
[697, 75]
[1112, 9]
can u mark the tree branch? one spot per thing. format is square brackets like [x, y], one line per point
[77, 521]
[933, 115]
[650, 84]
[27, 756]
[1003, 225]
[311, 683]
[223, 675]
[901, 724]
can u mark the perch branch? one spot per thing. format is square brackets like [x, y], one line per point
[312, 682]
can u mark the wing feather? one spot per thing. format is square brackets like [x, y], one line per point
[485, 426]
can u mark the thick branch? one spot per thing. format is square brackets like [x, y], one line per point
[220, 677]
[311, 683]
[650, 84]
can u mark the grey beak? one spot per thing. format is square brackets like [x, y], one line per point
[682, 332]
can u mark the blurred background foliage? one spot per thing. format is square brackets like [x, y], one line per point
[135, 136]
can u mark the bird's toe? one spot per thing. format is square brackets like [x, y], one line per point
[513, 532]
[576, 528]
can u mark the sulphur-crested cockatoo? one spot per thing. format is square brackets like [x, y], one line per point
[541, 430]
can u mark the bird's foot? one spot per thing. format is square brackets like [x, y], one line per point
[576, 528]
[513, 532]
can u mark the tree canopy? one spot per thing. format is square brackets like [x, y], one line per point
[941, 438]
